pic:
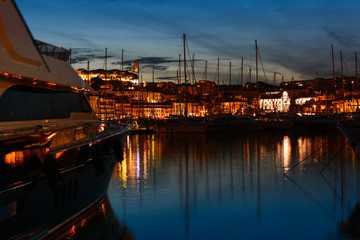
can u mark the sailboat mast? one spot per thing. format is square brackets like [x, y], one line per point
[242, 70]
[357, 82]
[250, 76]
[184, 39]
[205, 70]
[218, 79]
[88, 69]
[153, 75]
[179, 83]
[342, 80]
[333, 64]
[179, 79]
[257, 76]
[193, 69]
[230, 73]
[105, 63]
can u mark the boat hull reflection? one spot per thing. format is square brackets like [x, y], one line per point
[99, 222]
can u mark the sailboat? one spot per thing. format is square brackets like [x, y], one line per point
[182, 124]
[56, 156]
[349, 125]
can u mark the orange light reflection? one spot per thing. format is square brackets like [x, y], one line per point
[286, 152]
[14, 158]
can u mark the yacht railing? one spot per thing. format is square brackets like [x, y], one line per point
[70, 136]
[53, 51]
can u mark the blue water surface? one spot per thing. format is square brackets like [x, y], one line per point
[266, 185]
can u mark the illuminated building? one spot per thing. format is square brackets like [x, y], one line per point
[118, 94]
[108, 75]
[275, 101]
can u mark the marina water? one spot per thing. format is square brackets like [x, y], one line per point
[262, 185]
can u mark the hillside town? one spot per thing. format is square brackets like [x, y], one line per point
[119, 94]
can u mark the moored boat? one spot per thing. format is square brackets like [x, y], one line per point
[181, 125]
[231, 123]
[56, 156]
[350, 128]
[275, 122]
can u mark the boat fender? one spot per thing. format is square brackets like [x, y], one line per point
[53, 174]
[119, 156]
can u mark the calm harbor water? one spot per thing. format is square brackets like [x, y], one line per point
[236, 186]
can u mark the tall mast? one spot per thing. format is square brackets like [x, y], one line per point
[342, 80]
[356, 71]
[88, 68]
[333, 64]
[218, 79]
[184, 39]
[153, 75]
[250, 76]
[256, 71]
[179, 79]
[230, 73]
[105, 63]
[193, 68]
[205, 70]
[179, 83]
[357, 82]
[257, 76]
[242, 70]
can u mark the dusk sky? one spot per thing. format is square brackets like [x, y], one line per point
[294, 37]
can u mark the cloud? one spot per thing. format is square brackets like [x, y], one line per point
[156, 63]
[82, 55]
[168, 78]
[347, 39]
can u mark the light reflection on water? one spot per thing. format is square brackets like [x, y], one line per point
[250, 186]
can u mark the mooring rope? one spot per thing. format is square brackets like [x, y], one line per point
[297, 164]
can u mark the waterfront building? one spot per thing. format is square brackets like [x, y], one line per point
[118, 96]
[275, 102]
